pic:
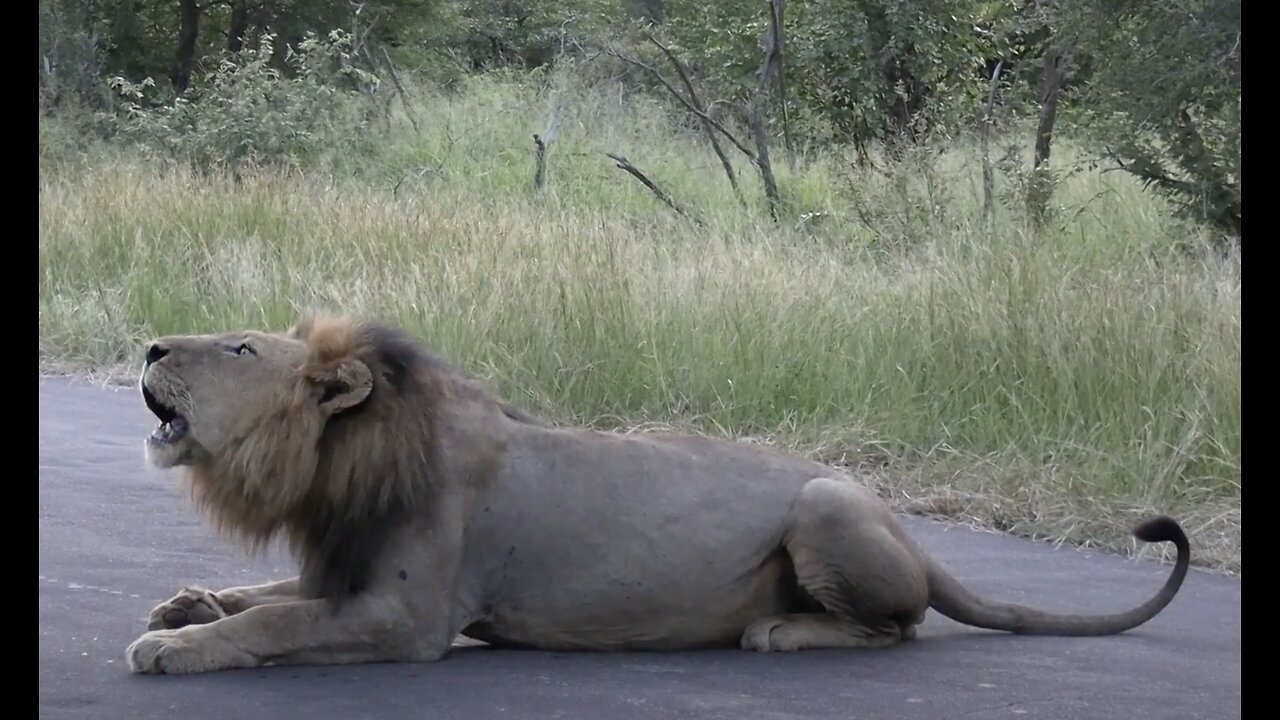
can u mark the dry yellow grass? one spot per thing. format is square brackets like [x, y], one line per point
[1062, 386]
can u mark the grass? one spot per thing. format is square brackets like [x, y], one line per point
[1062, 384]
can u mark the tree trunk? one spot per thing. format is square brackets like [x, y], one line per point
[696, 106]
[988, 175]
[1055, 61]
[188, 31]
[264, 20]
[125, 39]
[1041, 186]
[768, 71]
[778, 7]
[237, 26]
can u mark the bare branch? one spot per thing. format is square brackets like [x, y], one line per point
[685, 101]
[359, 38]
[988, 178]
[768, 67]
[1150, 173]
[419, 173]
[552, 124]
[661, 194]
[404, 97]
[1232, 52]
[702, 115]
[539, 162]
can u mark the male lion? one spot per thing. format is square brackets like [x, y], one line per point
[421, 507]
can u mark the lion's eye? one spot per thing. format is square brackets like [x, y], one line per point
[244, 349]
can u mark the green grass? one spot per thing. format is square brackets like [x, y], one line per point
[1062, 384]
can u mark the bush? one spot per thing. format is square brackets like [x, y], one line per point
[247, 111]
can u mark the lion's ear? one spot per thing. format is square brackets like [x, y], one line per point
[343, 386]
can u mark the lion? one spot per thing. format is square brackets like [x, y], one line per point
[421, 508]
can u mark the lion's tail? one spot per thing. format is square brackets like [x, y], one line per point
[950, 598]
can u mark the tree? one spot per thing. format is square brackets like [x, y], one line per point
[1163, 101]
[188, 31]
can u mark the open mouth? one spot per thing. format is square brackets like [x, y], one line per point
[173, 427]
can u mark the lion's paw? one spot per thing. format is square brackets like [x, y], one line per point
[160, 651]
[191, 606]
[189, 650]
[758, 635]
[806, 632]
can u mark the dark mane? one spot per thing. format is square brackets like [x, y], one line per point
[339, 486]
[399, 352]
[337, 548]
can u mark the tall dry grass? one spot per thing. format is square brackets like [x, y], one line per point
[1062, 384]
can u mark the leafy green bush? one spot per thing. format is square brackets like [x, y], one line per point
[1163, 99]
[248, 111]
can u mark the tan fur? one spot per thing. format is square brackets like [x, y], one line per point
[421, 506]
[280, 474]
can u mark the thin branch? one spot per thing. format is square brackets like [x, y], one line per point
[1232, 52]
[1151, 174]
[768, 66]
[420, 173]
[702, 116]
[553, 122]
[777, 7]
[684, 101]
[404, 97]
[539, 162]
[359, 39]
[988, 177]
[661, 194]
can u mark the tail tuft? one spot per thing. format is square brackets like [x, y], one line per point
[1161, 529]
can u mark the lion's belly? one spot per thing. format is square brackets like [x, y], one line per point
[659, 547]
[624, 613]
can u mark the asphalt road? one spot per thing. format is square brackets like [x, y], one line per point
[116, 538]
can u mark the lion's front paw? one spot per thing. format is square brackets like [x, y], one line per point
[191, 606]
[159, 651]
[190, 650]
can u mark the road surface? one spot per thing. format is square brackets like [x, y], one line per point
[116, 538]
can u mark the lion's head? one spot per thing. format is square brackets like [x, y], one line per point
[310, 430]
[220, 396]
[329, 431]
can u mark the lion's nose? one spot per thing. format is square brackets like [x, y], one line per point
[155, 351]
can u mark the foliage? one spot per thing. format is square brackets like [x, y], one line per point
[1155, 85]
[247, 110]
[489, 34]
[71, 54]
[861, 70]
[1165, 104]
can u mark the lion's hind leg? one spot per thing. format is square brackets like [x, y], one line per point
[848, 555]
[808, 631]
